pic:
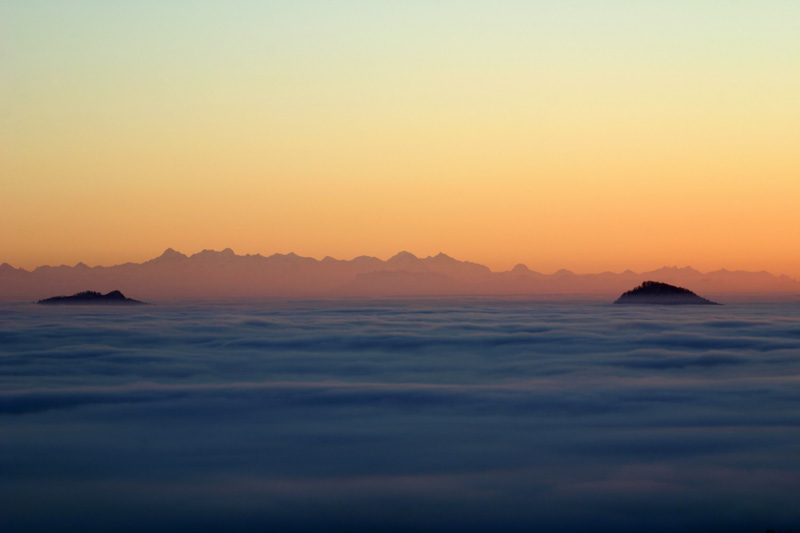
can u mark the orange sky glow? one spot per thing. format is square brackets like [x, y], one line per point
[559, 135]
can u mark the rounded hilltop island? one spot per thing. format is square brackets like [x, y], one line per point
[91, 298]
[657, 293]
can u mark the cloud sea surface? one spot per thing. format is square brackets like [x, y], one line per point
[450, 414]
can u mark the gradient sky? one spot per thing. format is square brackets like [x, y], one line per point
[585, 135]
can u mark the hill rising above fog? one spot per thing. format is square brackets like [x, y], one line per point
[212, 274]
[91, 298]
[655, 293]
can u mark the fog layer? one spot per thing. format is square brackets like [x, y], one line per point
[468, 414]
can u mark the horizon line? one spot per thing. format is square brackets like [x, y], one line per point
[403, 253]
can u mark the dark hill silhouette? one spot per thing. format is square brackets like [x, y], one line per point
[655, 292]
[91, 298]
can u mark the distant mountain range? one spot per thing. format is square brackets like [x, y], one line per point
[212, 274]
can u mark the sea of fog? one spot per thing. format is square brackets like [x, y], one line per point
[396, 415]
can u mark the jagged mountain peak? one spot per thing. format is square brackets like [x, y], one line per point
[227, 253]
[170, 254]
[403, 256]
[291, 256]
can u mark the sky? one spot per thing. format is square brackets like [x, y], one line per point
[584, 135]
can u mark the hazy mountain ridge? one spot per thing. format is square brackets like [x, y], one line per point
[215, 274]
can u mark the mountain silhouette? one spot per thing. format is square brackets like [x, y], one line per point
[91, 298]
[224, 274]
[655, 292]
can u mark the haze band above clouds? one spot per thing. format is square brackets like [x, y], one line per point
[210, 274]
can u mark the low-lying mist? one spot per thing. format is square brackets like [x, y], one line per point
[454, 414]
